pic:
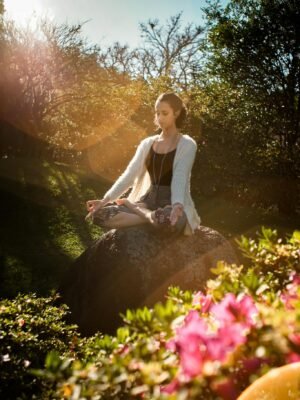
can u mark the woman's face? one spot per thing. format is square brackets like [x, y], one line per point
[164, 115]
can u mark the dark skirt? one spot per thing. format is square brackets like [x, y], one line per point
[156, 198]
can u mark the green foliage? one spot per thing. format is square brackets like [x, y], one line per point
[30, 327]
[247, 99]
[272, 262]
[43, 356]
[137, 362]
[271, 257]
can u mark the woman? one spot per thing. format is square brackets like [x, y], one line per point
[159, 174]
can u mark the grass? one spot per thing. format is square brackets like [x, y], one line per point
[43, 228]
[235, 219]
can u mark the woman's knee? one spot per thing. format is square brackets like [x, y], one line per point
[163, 221]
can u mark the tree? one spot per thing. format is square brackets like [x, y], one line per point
[52, 86]
[253, 46]
[170, 51]
[119, 58]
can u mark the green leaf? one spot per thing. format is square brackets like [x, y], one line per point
[122, 334]
[53, 361]
[295, 239]
[220, 268]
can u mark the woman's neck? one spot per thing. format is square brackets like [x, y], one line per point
[168, 134]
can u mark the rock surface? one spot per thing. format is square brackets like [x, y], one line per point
[132, 267]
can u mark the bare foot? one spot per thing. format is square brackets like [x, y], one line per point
[145, 213]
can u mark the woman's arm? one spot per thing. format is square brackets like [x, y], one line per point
[128, 176]
[182, 172]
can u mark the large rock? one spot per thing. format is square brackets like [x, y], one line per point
[132, 267]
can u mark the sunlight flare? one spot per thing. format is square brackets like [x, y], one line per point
[23, 12]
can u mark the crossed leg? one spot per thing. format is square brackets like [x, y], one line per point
[123, 219]
[141, 215]
[158, 220]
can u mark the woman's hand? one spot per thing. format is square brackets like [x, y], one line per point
[177, 211]
[93, 206]
[124, 201]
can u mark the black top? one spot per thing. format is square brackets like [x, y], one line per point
[163, 162]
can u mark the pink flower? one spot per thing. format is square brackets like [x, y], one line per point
[205, 301]
[295, 338]
[292, 357]
[196, 344]
[171, 345]
[288, 300]
[123, 349]
[295, 278]
[193, 319]
[191, 362]
[290, 295]
[170, 387]
[188, 341]
[231, 309]
[226, 339]
[215, 349]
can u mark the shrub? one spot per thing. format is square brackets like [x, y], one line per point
[31, 327]
[198, 345]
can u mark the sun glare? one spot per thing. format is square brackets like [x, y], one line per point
[23, 11]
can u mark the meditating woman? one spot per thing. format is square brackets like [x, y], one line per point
[159, 177]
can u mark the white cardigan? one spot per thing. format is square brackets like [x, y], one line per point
[137, 176]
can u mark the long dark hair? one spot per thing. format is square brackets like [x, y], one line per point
[177, 104]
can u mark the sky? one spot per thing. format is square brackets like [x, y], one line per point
[108, 21]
